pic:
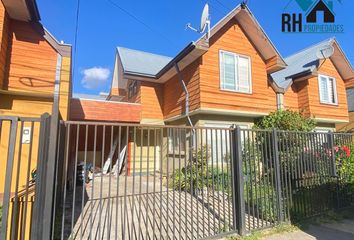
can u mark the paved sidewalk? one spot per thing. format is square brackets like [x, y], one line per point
[343, 230]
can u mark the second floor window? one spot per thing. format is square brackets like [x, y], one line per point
[328, 90]
[133, 89]
[235, 72]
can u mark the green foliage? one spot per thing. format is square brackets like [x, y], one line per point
[345, 163]
[286, 120]
[198, 174]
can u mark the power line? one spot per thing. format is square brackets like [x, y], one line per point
[139, 21]
[223, 5]
[75, 39]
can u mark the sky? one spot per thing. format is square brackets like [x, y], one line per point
[158, 26]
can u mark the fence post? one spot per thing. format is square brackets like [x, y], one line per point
[277, 175]
[334, 167]
[8, 176]
[237, 182]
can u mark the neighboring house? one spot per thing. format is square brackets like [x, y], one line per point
[34, 67]
[350, 95]
[31, 61]
[316, 86]
[234, 77]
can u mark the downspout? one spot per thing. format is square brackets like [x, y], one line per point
[180, 77]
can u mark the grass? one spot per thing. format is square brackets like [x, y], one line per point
[328, 217]
[258, 235]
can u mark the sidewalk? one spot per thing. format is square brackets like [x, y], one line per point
[343, 230]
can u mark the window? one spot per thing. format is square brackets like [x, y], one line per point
[177, 139]
[235, 72]
[328, 91]
[133, 89]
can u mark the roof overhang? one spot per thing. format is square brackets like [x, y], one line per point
[220, 112]
[341, 62]
[22, 10]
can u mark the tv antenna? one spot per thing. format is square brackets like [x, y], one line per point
[325, 52]
[204, 22]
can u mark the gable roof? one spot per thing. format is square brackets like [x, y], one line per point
[142, 63]
[159, 68]
[306, 62]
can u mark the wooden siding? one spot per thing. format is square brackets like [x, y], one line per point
[174, 96]
[151, 98]
[4, 40]
[347, 126]
[291, 99]
[104, 111]
[306, 94]
[349, 83]
[232, 38]
[319, 110]
[32, 61]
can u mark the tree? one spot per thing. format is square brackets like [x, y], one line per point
[287, 120]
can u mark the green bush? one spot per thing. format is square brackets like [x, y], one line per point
[286, 120]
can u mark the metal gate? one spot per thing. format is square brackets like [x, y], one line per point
[24, 158]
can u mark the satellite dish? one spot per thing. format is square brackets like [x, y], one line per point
[204, 23]
[325, 52]
[204, 19]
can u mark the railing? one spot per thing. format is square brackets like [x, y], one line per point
[126, 181]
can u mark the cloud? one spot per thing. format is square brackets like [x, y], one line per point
[95, 77]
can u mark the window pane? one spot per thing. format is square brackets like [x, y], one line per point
[331, 88]
[228, 71]
[324, 90]
[244, 78]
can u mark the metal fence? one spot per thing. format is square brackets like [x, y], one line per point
[124, 181]
[22, 149]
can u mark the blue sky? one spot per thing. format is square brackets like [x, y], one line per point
[103, 27]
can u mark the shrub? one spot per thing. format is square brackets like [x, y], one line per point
[286, 120]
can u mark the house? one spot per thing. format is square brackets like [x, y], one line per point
[234, 77]
[350, 95]
[34, 67]
[321, 6]
[316, 85]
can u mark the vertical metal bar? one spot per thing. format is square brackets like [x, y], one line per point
[202, 180]
[126, 185]
[154, 187]
[110, 184]
[277, 176]
[222, 144]
[185, 183]
[237, 183]
[65, 179]
[8, 177]
[83, 184]
[161, 176]
[140, 179]
[27, 181]
[17, 177]
[93, 178]
[75, 173]
[180, 190]
[207, 177]
[147, 185]
[101, 183]
[173, 182]
[119, 136]
[191, 182]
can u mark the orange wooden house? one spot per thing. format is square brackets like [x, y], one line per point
[234, 77]
[34, 67]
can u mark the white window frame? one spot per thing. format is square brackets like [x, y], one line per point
[334, 89]
[236, 71]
